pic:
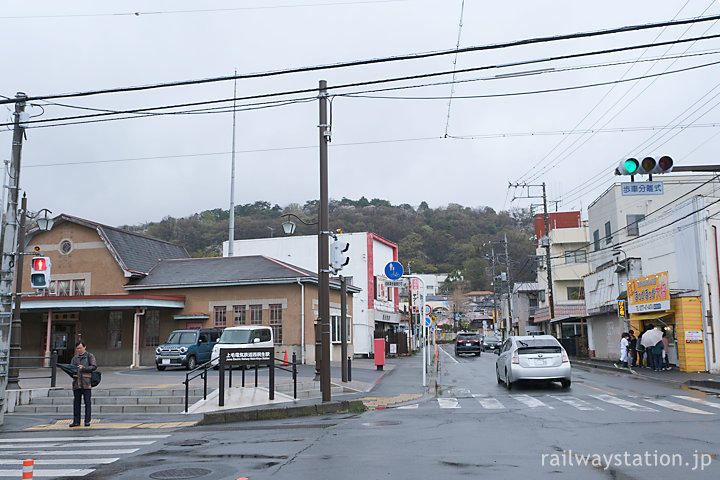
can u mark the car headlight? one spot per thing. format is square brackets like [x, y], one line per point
[183, 349]
[158, 350]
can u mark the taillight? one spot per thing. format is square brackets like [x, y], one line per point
[565, 358]
[515, 359]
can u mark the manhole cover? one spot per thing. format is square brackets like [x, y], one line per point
[180, 473]
[381, 423]
[186, 443]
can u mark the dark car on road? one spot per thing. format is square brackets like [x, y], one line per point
[468, 342]
[491, 343]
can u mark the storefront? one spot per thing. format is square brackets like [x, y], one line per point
[650, 303]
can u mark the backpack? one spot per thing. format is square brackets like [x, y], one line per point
[95, 378]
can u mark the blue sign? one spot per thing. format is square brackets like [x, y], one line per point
[428, 321]
[642, 188]
[394, 270]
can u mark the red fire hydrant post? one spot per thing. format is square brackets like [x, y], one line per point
[379, 353]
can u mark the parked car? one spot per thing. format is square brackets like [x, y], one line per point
[186, 348]
[468, 342]
[539, 357]
[490, 343]
[246, 336]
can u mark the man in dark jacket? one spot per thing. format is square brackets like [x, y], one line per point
[632, 353]
[82, 390]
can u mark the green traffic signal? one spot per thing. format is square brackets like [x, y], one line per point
[631, 165]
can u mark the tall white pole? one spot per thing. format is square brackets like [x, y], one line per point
[231, 226]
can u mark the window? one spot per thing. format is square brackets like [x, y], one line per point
[633, 230]
[67, 288]
[575, 293]
[220, 314]
[152, 328]
[276, 321]
[596, 240]
[239, 315]
[575, 256]
[335, 325]
[255, 314]
[115, 330]
[608, 233]
[66, 247]
[533, 302]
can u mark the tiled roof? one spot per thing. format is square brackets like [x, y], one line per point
[135, 253]
[220, 271]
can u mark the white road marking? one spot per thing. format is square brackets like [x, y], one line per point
[576, 402]
[633, 407]
[698, 400]
[82, 439]
[489, 403]
[676, 406]
[61, 473]
[530, 401]
[449, 356]
[408, 407]
[63, 461]
[448, 403]
[74, 445]
[30, 453]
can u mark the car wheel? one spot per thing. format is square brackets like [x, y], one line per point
[160, 367]
[508, 383]
[192, 363]
[497, 375]
[477, 354]
[565, 383]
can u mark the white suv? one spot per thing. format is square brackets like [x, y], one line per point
[251, 336]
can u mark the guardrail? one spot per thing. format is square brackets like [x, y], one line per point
[199, 371]
[52, 367]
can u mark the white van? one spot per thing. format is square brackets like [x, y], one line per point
[249, 336]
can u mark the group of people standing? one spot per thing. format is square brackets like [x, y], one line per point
[634, 354]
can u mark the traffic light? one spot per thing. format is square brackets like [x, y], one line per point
[646, 166]
[338, 255]
[40, 272]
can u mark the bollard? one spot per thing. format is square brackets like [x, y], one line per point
[349, 370]
[28, 468]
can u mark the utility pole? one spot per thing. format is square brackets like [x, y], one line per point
[546, 218]
[9, 246]
[323, 247]
[509, 288]
[343, 329]
[231, 222]
[494, 281]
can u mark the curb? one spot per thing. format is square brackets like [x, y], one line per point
[231, 416]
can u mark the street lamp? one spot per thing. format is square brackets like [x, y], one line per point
[288, 225]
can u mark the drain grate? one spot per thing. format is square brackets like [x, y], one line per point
[381, 423]
[180, 473]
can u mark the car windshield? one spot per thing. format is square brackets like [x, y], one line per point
[181, 338]
[236, 336]
[467, 336]
[492, 340]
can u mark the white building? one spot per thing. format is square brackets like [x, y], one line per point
[670, 228]
[375, 308]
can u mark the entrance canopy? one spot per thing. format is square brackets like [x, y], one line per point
[652, 316]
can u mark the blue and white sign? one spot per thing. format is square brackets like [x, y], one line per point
[428, 310]
[393, 270]
[642, 188]
[428, 321]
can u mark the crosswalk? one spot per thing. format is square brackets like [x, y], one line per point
[61, 456]
[462, 398]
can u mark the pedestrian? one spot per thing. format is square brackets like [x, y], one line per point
[649, 358]
[640, 349]
[657, 353]
[623, 349]
[666, 348]
[82, 390]
[632, 345]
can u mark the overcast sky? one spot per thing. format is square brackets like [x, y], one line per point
[404, 146]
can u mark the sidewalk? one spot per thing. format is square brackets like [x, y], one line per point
[399, 381]
[697, 380]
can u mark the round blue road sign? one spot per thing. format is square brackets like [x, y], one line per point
[394, 270]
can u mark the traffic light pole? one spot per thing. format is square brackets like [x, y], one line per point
[323, 248]
[16, 327]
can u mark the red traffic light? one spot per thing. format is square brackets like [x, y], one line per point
[39, 264]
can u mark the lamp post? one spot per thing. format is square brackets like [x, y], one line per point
[625, 267]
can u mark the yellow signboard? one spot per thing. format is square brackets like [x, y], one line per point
[649, 294]
[621, 308]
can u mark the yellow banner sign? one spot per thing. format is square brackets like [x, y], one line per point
[649, 294]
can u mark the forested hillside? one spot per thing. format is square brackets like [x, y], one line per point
[453, 239]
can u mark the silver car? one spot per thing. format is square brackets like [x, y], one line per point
[539, 357]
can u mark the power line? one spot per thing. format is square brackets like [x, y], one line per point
[416, 56]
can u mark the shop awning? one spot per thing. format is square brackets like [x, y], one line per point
[649, 316]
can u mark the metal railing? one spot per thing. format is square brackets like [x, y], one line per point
[52, 367]
[202, 371]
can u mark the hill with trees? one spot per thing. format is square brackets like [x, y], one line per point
[454, 239]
